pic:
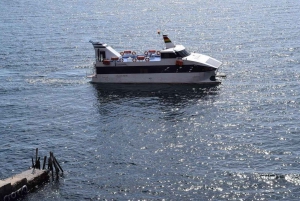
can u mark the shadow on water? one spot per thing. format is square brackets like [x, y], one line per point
[166, 92]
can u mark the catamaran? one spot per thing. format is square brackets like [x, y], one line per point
[173, 64]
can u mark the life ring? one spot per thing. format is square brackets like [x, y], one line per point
[114, 58]
[158, 52]
[6, 198]
[122, 53]
[121, 60]
[134, 60]
[13, 195]
[146, 53]
[147, 59]
[133, 53]
[24, 190]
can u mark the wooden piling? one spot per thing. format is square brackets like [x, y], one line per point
[55, 166]
[32, 162]
[50, 166]
[38, 164]
[45, 158]
[36, 155]
[58, 164]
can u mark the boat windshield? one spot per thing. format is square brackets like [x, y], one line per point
[183, 53]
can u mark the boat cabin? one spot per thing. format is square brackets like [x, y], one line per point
[104, 52]
[177, 51]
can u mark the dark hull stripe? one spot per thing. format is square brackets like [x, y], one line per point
[152, 69]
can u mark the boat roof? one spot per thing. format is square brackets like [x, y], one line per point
[112, 50]
[177, 48]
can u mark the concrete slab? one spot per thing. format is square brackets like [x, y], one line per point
[30, 178]
[33, 177]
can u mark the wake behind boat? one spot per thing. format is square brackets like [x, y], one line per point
[174, 64]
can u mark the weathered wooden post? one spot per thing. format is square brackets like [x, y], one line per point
[50, 166]
[32, 162]
[45, 158]
[58, 164]
[38, 164]
[36, 155]
[55, 166]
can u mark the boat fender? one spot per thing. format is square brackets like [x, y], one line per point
[13, 195]
[147, 59]
[146, 53]
[133, 53]
[6, 198]
[122, 53]
[24, 190]
[158, 52]
[134, 60]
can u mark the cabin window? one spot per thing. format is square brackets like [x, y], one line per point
[183, 53]
[168, 55]
[101, 55]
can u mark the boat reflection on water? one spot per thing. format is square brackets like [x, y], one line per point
[170, 93]
[121, 106]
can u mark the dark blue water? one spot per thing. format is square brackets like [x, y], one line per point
[237, 141]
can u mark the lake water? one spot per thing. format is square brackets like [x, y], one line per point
[237, 141]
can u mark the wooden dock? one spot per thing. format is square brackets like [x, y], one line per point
[19, 185]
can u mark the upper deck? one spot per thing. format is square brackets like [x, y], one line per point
[172, 55]
[140, 58]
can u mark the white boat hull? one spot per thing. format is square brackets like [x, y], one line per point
[187, 78]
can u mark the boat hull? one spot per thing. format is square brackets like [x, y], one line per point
[164, 78]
